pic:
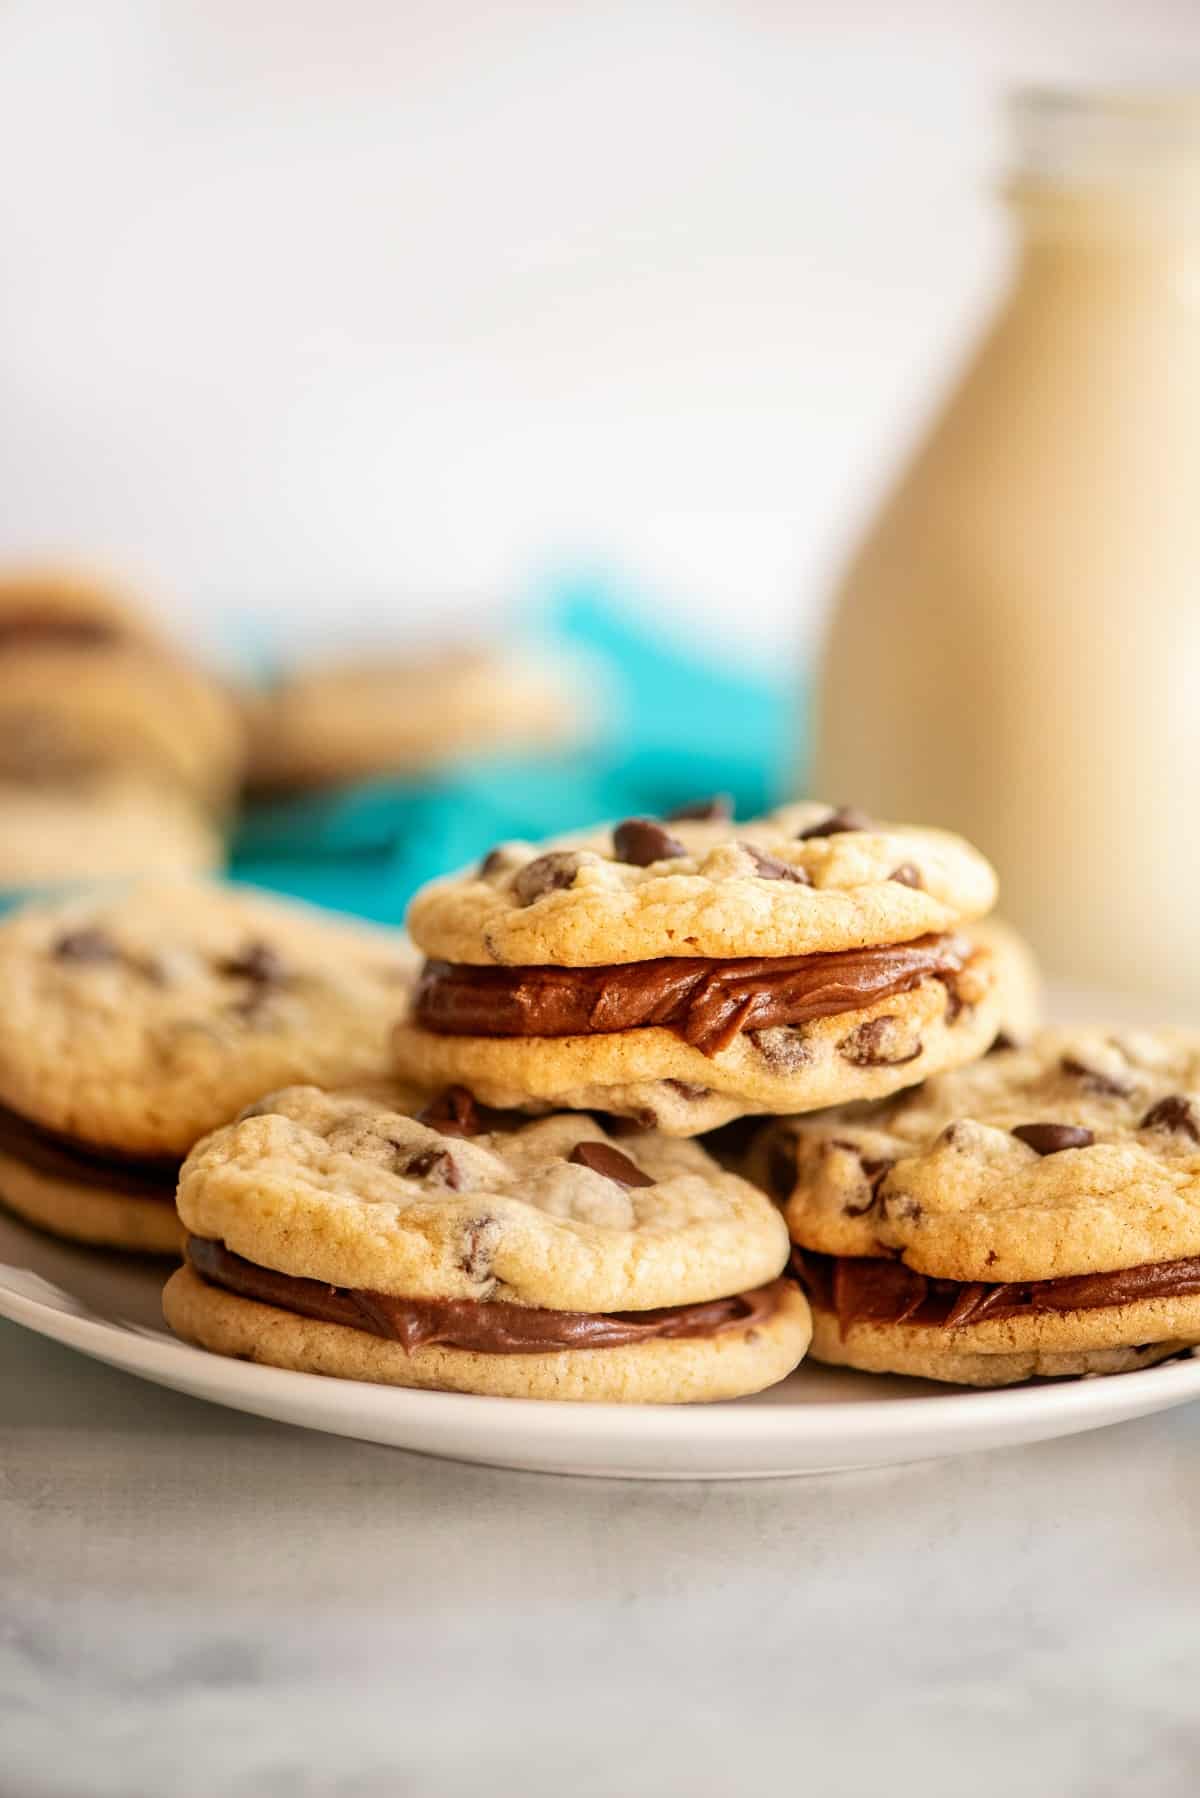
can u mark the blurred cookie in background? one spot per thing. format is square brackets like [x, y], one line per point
[105, 825]
[86, 682]
[42, 604]
[332, 725]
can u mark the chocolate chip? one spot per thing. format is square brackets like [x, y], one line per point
[1177, 1113]
[845, 818]
[85, 945]
[1002, 1041]
[257, 962]
[783, 1047]
[453, 1113]
[602, 1158]
[1052, 1139]
[439, 1162]
[875, 1173]
[456, 1112]
[769, 867]
[874, 1044]
[907, 875]
[643, 841]
[480, 1238]
[633, 1125]
[703, 810]
[493, 861]
[1094, 1080]
[547, 874]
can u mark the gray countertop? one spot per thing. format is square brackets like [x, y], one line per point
[197, 1604]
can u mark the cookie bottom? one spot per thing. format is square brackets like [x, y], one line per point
[653, 1075]
[92, 1214]
[686, 1371]
[933, 1354]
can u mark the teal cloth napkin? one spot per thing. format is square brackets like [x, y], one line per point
[678, 725]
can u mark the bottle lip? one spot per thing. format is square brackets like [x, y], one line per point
[1138, 141]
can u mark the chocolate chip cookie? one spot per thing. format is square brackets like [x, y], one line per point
[688, 971]
[1036, 1214]
[135, 1021]
[461, 1249]
[342, 723]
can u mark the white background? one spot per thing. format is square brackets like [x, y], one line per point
[315, 309]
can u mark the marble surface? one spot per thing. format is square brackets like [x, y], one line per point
[194, 1603]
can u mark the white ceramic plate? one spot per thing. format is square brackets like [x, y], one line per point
[818, 1421]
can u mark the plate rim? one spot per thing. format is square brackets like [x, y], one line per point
[962, 1413]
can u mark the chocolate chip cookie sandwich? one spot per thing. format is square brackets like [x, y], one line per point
[1037, 1214]
[336, 1233]
[336, 723]
[688, 971]
[134, 1022]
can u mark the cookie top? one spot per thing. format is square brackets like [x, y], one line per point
[1078, 1154]
[138, 1019]
[107, 825]
[348, 1187]
[348, 721]
[44, 603]
[805, 879]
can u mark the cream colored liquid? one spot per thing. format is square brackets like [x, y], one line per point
[1015, 651]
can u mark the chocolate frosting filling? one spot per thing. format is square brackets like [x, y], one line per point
[68, 1158]
[708, 1002]
[862, 1289]
[483, 1326]
[21, 629]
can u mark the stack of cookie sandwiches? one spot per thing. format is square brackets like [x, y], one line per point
[544, 1227]
[951, 1199]
[339, 1233]
[688, 971]
[135, 1022]
[1037, 1214]
[117, 755]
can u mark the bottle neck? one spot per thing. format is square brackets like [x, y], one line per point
[1107, 175]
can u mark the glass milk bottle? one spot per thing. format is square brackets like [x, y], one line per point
[1015, 650]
